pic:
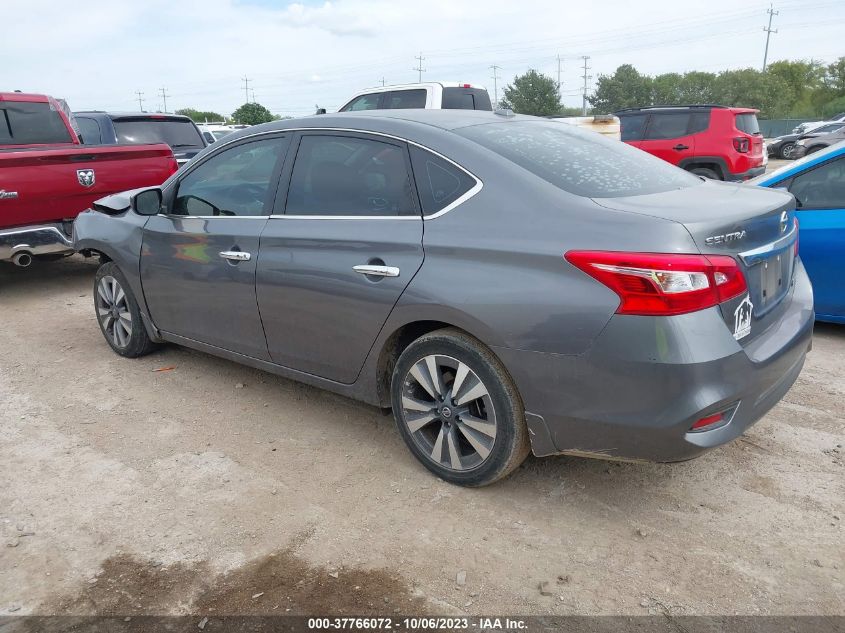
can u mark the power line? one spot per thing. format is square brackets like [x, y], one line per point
[419, 67]
[586, 77]
[140, 100]
[246, 81]
[164, 96]
[768, 29]
[495, 79]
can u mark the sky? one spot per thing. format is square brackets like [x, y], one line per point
[300, 55]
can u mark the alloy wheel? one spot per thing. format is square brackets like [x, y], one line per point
[113, 311]
[448, 412]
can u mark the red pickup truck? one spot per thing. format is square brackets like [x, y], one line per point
[47, 177]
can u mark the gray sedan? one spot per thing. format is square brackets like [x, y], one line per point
[505, 284]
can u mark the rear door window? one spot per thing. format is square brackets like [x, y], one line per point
[350, 176]
[665, 125]
[141, 130]
[404, 99]
[32, 124]
[822, 187]
[364, 102]
[633, 126]
[699, 122]
[747, 123]
[439, 182]
[579, 161]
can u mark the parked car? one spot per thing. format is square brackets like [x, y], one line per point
[502, 282]
[813, 144]
[604, 124]
[138, 128]
[784, 146]
[818, 184]
[47, 177]
[716, 142]
[809, 126]
[430, 95]
[212, 133]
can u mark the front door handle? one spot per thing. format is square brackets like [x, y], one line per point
[236, 256]
[377, 271]
[680, 146]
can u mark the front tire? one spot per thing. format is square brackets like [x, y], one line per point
[118, 313]
[458, 410]
[787, 151]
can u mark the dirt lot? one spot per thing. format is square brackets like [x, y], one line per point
[216, 488]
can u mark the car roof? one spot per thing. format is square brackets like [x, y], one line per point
[685, 107]
[23, 96]
[136, 115]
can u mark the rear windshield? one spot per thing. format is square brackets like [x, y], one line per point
[747, 123]
[31, 124]
[466, 99]
[177, 134]
[579, 161]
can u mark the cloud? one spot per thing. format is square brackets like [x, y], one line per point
[330, 18]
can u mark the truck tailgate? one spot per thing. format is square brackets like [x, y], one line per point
[41, 185]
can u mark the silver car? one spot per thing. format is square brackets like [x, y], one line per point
[505, 284]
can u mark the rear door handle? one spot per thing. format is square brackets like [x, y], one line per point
[377, 271]
[236, 256]
[679, 147]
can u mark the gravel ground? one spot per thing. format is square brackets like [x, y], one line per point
[215, 488]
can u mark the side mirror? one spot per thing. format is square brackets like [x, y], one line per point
[147, 202]
[321, 111]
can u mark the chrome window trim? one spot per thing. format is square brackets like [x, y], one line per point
[449, 207]
[175, 216]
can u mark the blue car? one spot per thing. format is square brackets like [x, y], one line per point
[818, 183]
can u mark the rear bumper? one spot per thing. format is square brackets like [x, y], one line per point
[647, 380]
[746, 175]
[43, 239]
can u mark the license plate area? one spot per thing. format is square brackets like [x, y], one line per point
[774, 275]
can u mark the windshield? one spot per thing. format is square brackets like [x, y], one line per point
[175, 133]
[579, 161]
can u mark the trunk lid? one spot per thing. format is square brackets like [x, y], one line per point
[754, 226]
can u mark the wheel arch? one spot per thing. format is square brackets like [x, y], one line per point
[399, 336]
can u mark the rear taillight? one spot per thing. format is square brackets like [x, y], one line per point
[797, 235]
[174, 166]
[707, 421]
[741, 144]
[663, 283]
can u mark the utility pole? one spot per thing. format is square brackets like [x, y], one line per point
[246, 81]
[768, 29]
[164, 96]
[252, 91]
[558, 72]
[140, 100]
[419, 67]
[495, 79]
[382, 82]
[586, 77]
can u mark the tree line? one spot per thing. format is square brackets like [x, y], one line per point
[787, 89]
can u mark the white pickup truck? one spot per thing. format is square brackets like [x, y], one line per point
[432, 95]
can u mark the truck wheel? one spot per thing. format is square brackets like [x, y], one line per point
[118, 313]
[458, 409]
[706, 172]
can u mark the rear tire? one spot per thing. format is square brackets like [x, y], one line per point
[118, 313]
[705, 172]
[458, 410]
